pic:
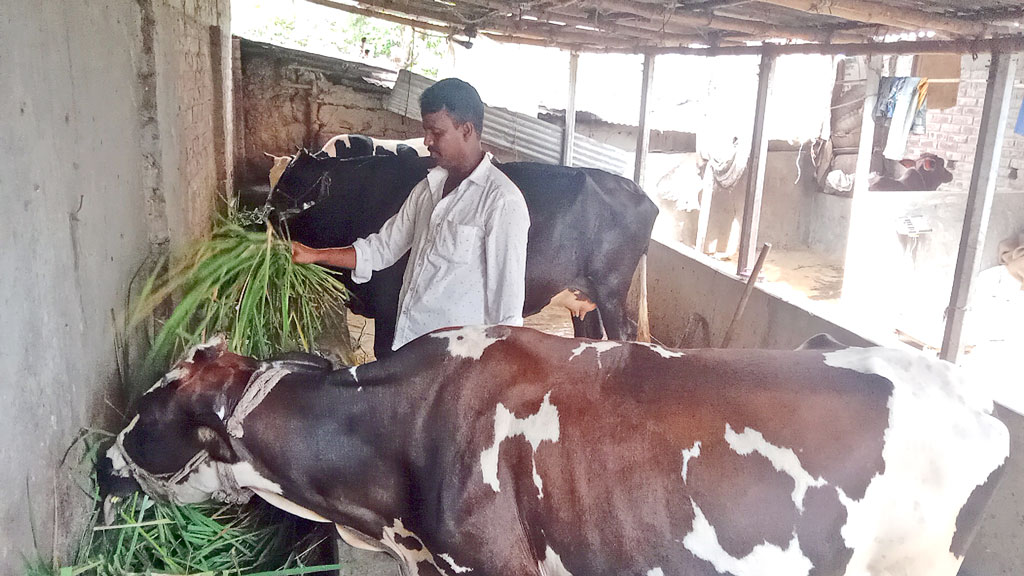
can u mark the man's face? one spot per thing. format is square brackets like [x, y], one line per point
[447, 140]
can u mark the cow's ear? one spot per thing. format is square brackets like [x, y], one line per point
[216, 444]
[908, 163]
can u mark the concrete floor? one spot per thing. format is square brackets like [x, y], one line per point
[998, 546]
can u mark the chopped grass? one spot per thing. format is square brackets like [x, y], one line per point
[151, 537]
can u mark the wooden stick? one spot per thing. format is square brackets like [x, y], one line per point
[765, 249]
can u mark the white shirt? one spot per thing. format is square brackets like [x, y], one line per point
[467, 263]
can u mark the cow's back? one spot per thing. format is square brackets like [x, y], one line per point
[622, 458]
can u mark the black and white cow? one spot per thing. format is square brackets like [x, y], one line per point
[497, 451]
[358, 145]
[589, 230]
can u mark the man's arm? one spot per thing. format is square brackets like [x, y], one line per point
[337, 257]
[376, 251]
[505, 262]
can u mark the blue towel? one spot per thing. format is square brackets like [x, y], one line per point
[1019, 129]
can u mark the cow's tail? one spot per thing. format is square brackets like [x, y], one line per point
[636, 301]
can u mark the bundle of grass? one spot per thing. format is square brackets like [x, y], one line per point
[242, 283]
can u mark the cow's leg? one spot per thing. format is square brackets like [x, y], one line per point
[383, 336]
[611, 303]
[589, 326]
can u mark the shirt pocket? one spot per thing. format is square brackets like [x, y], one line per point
[459, 243]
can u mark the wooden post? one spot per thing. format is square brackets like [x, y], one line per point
[569, 135]
[867, 126]
[855, 271]
[755, 170]
[643, 138]
[979, 199]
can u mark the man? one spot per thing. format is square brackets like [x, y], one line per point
[466, 224]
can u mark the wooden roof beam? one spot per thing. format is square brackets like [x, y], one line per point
[640, 29]
[759, 29]
[1004, 44]
[570, 36]
[394, 18]
[568, 19]
[566, 34]
[878, 13]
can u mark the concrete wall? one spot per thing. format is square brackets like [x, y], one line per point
[793, 214]
[288, 102]
[686, 295]
[192, 57]
[904, 281]
[996, 548]
[109, 111]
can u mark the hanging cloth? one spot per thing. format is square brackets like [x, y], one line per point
[899, 100]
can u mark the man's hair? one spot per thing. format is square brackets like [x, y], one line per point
[460, 99]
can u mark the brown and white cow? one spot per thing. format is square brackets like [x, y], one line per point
[926, 173]
[505, 451]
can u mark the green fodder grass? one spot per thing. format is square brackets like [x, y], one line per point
[242, 283]
[152, 537]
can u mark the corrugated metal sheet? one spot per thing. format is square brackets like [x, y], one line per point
[528, 138]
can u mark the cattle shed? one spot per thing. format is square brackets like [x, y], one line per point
[125, 122]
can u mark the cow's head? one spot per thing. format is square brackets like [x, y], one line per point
[927, 172]
[177, 445]
[302, 183]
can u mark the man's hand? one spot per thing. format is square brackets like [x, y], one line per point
[337, 257]
[302, 254]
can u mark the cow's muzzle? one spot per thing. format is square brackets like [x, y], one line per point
[112, 486]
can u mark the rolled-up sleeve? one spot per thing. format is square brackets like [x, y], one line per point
[382, 249]
[505, 261]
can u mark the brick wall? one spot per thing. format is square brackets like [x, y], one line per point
[193, 55]
[291, 99]
[952, 133]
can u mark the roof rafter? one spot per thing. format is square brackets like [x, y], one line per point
[877, 13]
[756, 28]
[576, 19]
[834, 26]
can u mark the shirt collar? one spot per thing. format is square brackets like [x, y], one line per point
[437, 175]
